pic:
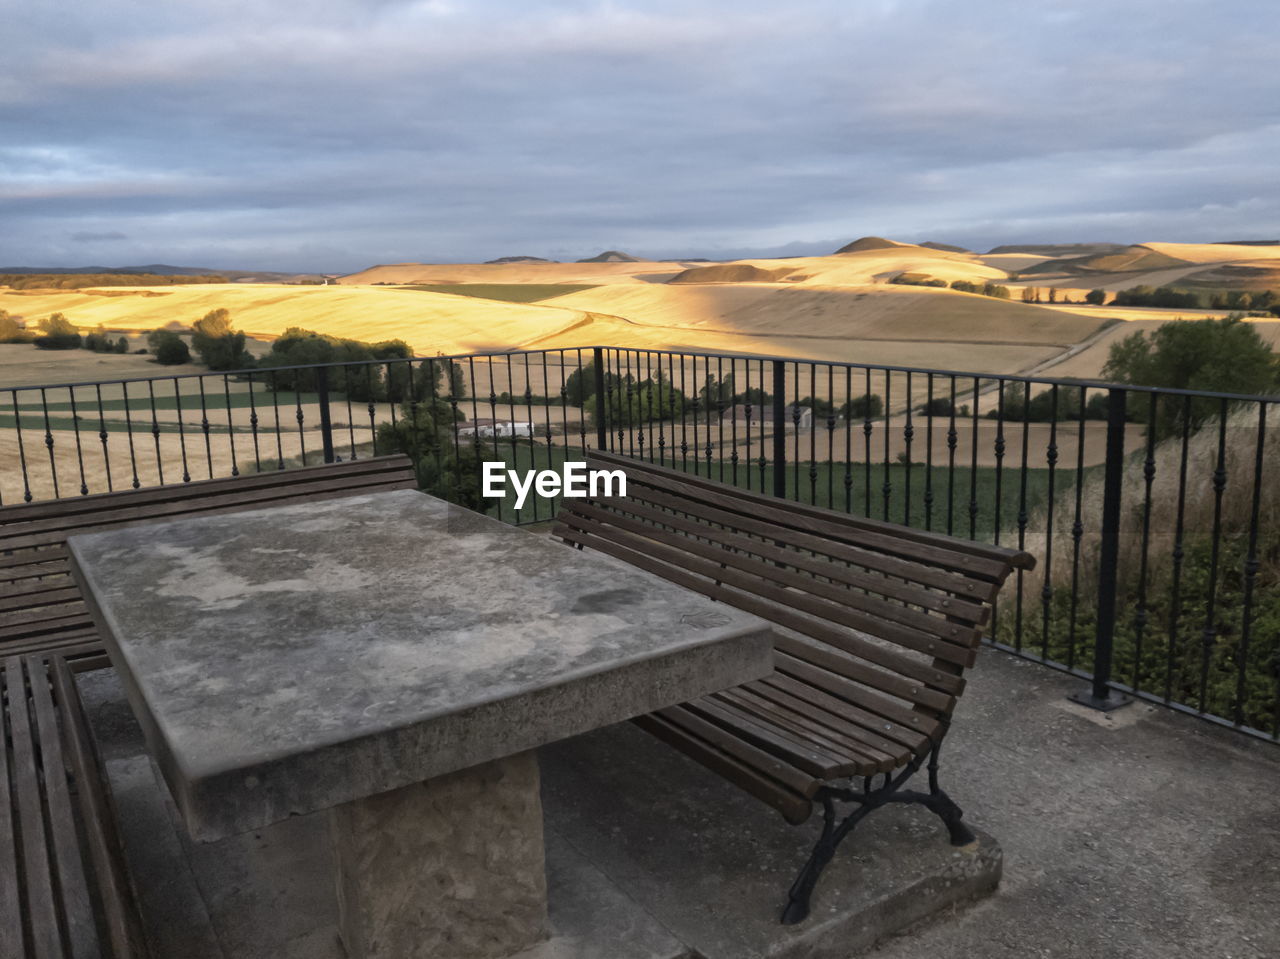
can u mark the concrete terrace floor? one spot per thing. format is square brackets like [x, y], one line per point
[1143, 834]
[1139, 834]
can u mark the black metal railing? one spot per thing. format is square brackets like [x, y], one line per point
[1157, 533]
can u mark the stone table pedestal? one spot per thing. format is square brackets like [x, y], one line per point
[450, 867]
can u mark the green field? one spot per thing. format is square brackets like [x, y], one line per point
[508, 292]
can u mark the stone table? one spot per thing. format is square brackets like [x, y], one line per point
[394, 660]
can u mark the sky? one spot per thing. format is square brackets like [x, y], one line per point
[333, 134]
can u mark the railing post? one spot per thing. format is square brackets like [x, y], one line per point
[326, 424]
[780, 428]
[1099, 695]
[602, 426]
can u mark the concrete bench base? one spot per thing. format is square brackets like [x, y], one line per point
[649, 856]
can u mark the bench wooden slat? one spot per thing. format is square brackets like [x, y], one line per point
[953, 606]
[774, 604]
[891, 683]
[38, 903]
[1018, 559]
[8, 562]
[802, 723]
[11, 934]
[794, 808]
[888, 565]
[51, 595]
[859, 602]
[804, 753]
[838, 722]
[50, 532]
[904, 741]
[755, 758]
[818, 668]
[124, 927]
[76, 910]
[22, 512]
[937, 550]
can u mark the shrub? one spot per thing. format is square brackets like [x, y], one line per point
[1096, 297]
[59, 334]
[11, 332]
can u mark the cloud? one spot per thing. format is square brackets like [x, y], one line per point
[240, 134]
[109, 236]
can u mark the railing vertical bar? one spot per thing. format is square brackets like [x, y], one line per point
[928, 453]
[1250, 571]
[231, 426]
[1179, 553]
[1148, 479]
[75, 428]
[102, 437]
[1209, 633]
[779, 429]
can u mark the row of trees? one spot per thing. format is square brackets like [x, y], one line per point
[1178, 298]
[79, 281]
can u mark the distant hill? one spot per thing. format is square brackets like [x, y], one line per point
[1246, 242]
[612, 256]
[164, 269]
[520, 259]
[730, 273]
[870, 243]
[944, 247]
[1058, 249]
[1129, 259]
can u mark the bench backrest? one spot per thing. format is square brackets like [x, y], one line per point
[896, 610]
[40, 606]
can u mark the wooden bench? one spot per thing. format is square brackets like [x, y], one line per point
[878, 623]
[64, 891]
[40, 605]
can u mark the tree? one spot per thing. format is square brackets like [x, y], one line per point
[424, 433]
[1225, 355]
[59, 334]
[218, 345]
[938, 406]
[634, 403]
[1096, 297]
[866, 406]
[168, 347]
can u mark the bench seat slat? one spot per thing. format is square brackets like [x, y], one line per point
[52, 595]
[11, 934]
[907, 741]
[76, 910]
[763, 762]
[794, 807]
[814, 667]
[38, 901]
[802, 723]
[97, 813]
[837, 721]
[810, 755]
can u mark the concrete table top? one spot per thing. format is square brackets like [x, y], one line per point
[286, 660]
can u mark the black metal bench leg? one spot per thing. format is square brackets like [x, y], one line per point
[945, 807]
[824, 850]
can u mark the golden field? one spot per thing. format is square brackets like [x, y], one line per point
[839, 308]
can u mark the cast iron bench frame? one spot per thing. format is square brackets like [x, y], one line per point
[879, 622]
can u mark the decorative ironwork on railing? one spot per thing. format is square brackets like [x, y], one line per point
[1157, 532]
